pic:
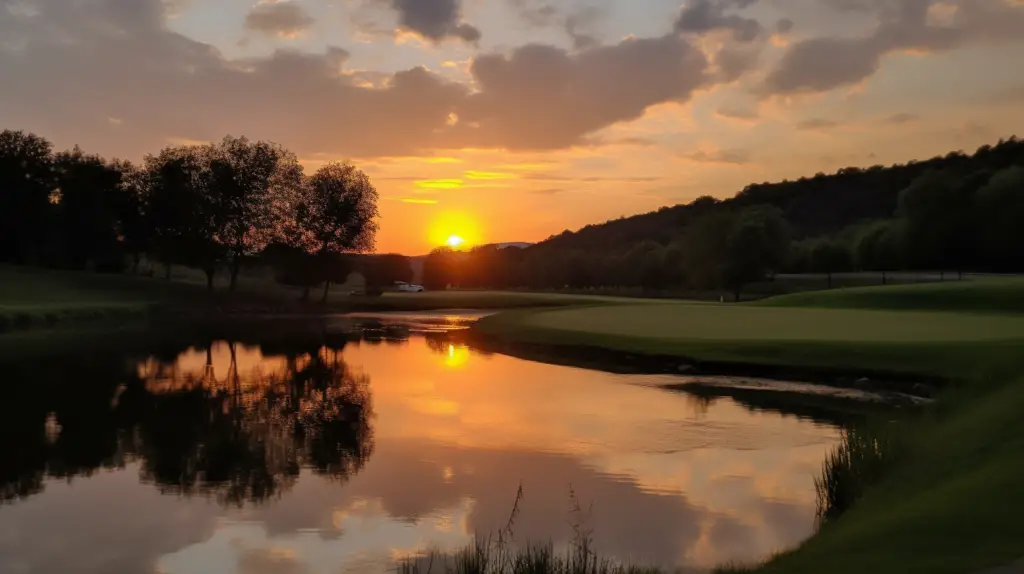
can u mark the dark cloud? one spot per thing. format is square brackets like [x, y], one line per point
[824, 63]
[578, 26]
[70, 62]
[435, 20]
[734, 62]
[784, 26]
[724, 156]
[536, 12]
[702, 16]
[284, 19]
[542, 97]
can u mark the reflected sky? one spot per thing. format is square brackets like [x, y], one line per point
[434, 450]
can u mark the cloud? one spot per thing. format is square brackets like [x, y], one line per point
[537, 13]
[721, 156]
[542, 97]
[815, 124]
[703, 16]
[737, 113]
[435, 20]
[282, 19]
[825, 63]
[70, 62]
[902, 118]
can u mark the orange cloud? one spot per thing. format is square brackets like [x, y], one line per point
[439, 184]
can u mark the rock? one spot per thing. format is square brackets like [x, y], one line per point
[686, 368]
[863, 383]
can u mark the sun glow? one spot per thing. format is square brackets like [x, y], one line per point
[455, 230]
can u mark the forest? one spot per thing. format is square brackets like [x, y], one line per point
[954, 213]
[216, 207]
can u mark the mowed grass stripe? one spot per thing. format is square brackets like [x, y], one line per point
[682, 322]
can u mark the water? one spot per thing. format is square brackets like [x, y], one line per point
[296, 451]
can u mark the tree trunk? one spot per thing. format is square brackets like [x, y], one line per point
[135, 263]
[736, 295]
[305, 293]
[327, 290]
[885, 280]
[829, 279]
[942, 275]
[167, 271]
[209, 278]
[236, 265]
[959, 275]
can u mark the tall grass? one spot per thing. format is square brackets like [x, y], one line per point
[499, 554]
[861, 458]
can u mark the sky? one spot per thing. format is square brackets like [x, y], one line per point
[513, 120]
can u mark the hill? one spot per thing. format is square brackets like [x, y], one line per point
[814, 206]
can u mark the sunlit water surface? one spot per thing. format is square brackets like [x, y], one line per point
[345, 453]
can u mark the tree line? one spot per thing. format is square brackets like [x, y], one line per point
[215, 207]
[955, 213]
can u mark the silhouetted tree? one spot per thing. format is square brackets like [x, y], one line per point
[335, 213]
[439, 269]
[26, 185]
[183, 212]
[250, 190]
[87, 208]
[384, 270]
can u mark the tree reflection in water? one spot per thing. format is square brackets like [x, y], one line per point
[239, 435]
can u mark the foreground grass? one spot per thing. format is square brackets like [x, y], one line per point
[951, 501]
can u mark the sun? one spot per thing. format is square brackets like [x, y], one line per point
[454, 241]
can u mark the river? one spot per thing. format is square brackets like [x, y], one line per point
[351, 446]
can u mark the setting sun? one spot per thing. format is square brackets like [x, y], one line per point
[457, 230]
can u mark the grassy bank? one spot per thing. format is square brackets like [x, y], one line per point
[951, 501]
[34, 298]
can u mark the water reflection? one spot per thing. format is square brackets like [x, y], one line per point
[224, 420]
[276, 453]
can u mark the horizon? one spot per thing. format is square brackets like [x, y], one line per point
[457, 110]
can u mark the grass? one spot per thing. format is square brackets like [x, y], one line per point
[47, 298]
[979, 295]
[948, 500]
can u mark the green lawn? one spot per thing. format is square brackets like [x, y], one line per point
[953, 503]
[988, 295]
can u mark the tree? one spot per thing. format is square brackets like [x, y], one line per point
[937, 211]
[335, 213]
[1001, 207]
[878, 249]
[829, 256]
[26, 185]
[384, 270]
[132, 207]
[439, 269]
[252, 184]
[183, 213]
[757, 244]
[87, 214]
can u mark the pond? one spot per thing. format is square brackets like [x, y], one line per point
[351, 444]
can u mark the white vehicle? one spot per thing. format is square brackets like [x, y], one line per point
[408, 287]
